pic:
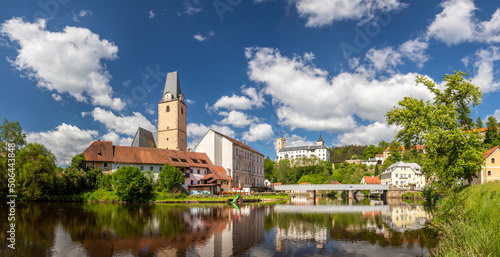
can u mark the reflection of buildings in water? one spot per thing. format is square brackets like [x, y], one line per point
[301, 201]
[405, 217]
[301, 232]
[376, 202]
[249, 229]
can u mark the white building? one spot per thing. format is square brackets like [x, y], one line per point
[402, 174]
[244, 164]
[292, 153]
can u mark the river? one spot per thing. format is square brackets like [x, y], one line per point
[298, 227]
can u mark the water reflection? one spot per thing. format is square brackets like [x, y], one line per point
[297, 228]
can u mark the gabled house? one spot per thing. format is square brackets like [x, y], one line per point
[490, 171]
[109, 158]
[402, 174]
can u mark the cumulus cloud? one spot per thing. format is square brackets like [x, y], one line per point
[125, 125]
[306, 97]
[258, 132]
[324, 12]
[199, 37]
[195, 132]
[66, 62]
[388, 58]
[65, 141]
[484, 77]
[237, 119]
[250, 99]
[366, 135]
[117, 139]
[457, 24]
[151, 14]
[296, 140]
[497, 114]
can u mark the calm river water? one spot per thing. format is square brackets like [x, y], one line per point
[298, 227]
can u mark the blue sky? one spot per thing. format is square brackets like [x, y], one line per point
[76, 71]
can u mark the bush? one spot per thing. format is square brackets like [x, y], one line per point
[132, 185]
[170, 178]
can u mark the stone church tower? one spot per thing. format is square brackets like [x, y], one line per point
[172, 116]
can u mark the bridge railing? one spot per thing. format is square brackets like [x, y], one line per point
[330, 187]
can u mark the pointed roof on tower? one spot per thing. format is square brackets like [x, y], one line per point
[172, 85]
[320, 139]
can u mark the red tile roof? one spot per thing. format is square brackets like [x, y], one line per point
[379, 155]
[104, 151]
[490, 151]
[372, 180]
[336, 183]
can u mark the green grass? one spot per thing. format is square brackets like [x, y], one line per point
[101, 195]
[469, 222]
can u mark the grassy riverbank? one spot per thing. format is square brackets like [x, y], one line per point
[469, 222]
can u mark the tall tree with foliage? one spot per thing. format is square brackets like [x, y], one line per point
[395, 152]
[10, 132]
[479, 123]
[170, 178]
[492, 137]
[453, 151]
[371, 151]
[268, 168]
[132, 185]
[35, 175]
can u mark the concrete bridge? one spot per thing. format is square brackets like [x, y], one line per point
[312, 188]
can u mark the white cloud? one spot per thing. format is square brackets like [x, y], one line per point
[366, 135]
[189, 101]
[192, 7]
[195, 132]
[305, 97]
[497, 114]
[57, 97]
[258, 132]
[324, 12]
[202, 38]
[199, 37]
[237, 119]
[457, 24]
[125, 125]
[81, 14]
[485, 73]
[117, 139]
[252, 99]
[296, 140]
[151, 14]
[65, 141]
[388, 58]
[66, 62]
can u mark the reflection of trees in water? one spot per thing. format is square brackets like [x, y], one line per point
[34, 230]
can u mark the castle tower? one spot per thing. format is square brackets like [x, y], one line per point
[280, 143]
[320, 141]
[172, 116]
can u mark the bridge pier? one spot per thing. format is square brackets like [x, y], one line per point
[350, 194]
[312, 194]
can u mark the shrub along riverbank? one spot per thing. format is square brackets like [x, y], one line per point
[469, 222]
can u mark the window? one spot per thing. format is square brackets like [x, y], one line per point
[198, 171]
[192, 182]
[159, 169]
[142, 167]
[151, 168]
[195, 160]
[493, 160]
[183, 160]
[191, 171]
[182, 110]
[489, 173]
[396, 175]
[105, 165]
[174, 159]
[203, 161]
[168, 108]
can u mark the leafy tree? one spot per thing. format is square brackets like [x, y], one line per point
[11, 132]
[492, 137]
[371, 151]
[77, 161]
[395, 152]
[170, 178]
[382, 144]
[312, 178]
[268, 168]
[377, 171]
[453, 151]
[131, 184]
[36, 167]
[104, 181]
[282, 172]
[479, 123]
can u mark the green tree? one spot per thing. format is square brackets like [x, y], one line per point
[268, 168]
[492, 137]
[382, 144]
[371, 151]
[479, 123]
[377, 171]
[131, 184]
[453, 151]
[282, 173]
[170, 178]
[11, 132]
[395, 152]
[36, 167]
[77, 161]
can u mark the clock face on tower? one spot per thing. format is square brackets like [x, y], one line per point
[168, 96]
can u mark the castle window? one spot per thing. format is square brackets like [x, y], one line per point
[182, 110]
[168, 108]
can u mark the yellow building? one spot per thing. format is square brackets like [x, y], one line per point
[490, 171]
